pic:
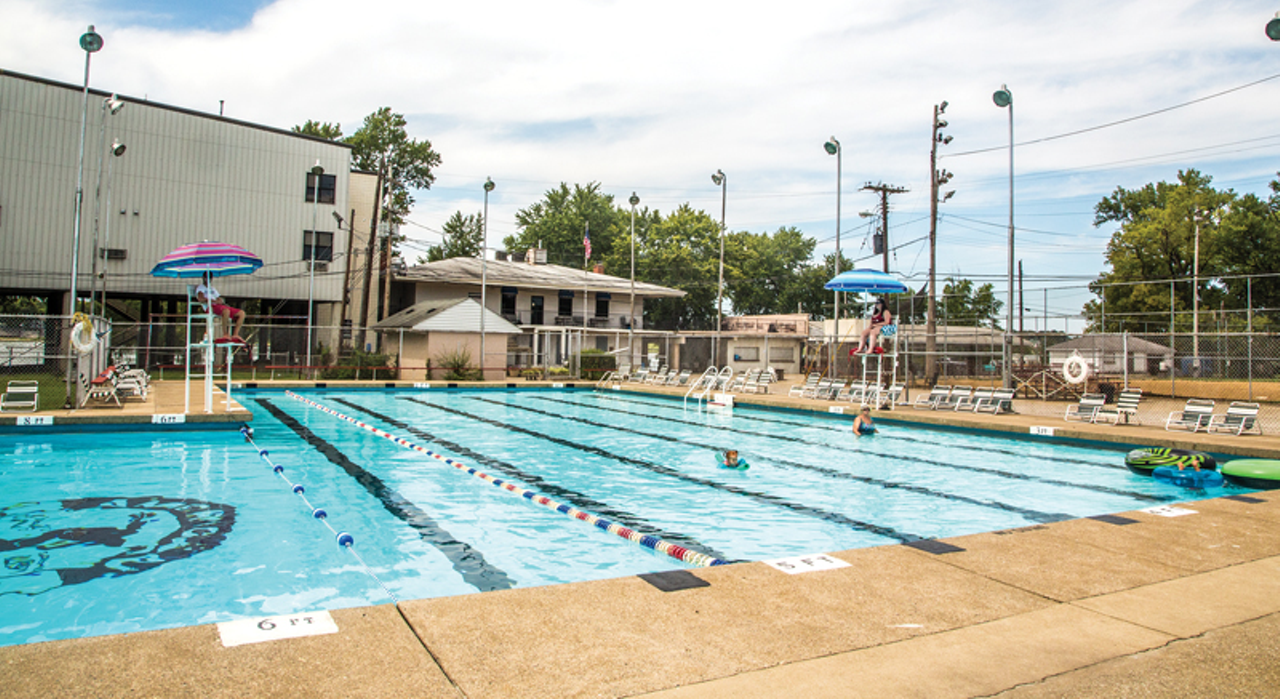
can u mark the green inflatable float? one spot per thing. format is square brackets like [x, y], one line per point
[1260, 474]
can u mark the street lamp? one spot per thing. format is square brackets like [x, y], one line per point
[117, 150]
[720, 179]
[1004, 98]
[91, 42]
[832, 146]
[484, 243]
[938, 178]
[1273, 28]
[631, 318]
[316, 171]
[111, 105]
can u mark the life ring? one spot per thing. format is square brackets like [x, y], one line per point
[83, 338]
[1144, 461]
[1075, 369]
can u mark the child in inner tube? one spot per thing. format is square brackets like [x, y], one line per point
[731, 460]
[863, 424]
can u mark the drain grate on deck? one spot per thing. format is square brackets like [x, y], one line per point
[1114, 519]
[673, 580]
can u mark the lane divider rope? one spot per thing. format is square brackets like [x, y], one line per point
[675, 551]
[344, 539]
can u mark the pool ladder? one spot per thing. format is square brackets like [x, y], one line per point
[710, 381]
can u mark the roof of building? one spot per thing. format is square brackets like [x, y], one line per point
[1111, 343]
[452, 315]
[466, 270]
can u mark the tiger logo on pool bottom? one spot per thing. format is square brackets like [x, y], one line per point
[48, 544]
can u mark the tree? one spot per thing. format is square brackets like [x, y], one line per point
[462, 238]
[763, 271]
[962, 304]
[682, 251]
[382, 146]
[559, 222]
[319, 129]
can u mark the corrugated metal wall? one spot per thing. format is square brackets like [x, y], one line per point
[184, 177]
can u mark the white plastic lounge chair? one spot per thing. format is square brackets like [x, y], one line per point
[880, 397]
[1001, 401]
[957, 394]
[1194, 415]
[1089, 405]
[852, 392]
[1240, 418]
[822, 385]
[21, 395]
[810, 383]
[834, 387]
[679, 379]
[967, 402]
[1126, 407]
[930, 400]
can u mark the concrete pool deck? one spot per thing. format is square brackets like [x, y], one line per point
[1140, 605]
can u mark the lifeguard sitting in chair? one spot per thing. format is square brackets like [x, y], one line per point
[881, 325]
[231, 317]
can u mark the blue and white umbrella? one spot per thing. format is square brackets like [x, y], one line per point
[866, 280]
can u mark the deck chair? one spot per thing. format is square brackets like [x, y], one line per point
[821, 386]
[680, 379]
[129, 386]
[879, 396]
[930, 400]
[967, 402]
[1086, 409]
[1240, 418]
[957, 394]
[834, 387]
[1194, 415]
[640, 375]
[100, 390]
[740, 380]
[1001, 401]
[810, 383]
[657, 378]
[852, 392]
[21, 395]
[762, 383]
[1126, 407]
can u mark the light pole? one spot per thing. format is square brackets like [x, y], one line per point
[720, 179]
[1004, 98]
[113, 105]
[316, 171]
[937, 178]
[832, 146]
[91, 42]
[1273, 28]
[117, 150]
[484, 243]
[631, 318]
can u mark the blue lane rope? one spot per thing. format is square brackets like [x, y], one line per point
[344, 539]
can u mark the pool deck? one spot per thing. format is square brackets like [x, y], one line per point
[1143, 605]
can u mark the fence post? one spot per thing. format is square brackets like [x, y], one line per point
[1249, 323]
[1173, 361]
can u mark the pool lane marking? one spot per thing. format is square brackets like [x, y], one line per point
[899, 457]
[578, 500]
[675, 551]
[468, 561]
[1030, 514]
[819, 513]
[775, 420]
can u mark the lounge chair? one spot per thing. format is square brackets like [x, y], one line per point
[100, 390]
[1240, 418]
[640, 375]
[810, 383]
[956, 394]
[823, 385]
[1086, 409]
[834, 387]
[740, 380]
[21, 395]
[680, 379]
[879, 396]
[658, 378]
[762, 383]
[1194, 415]
[1001, 401]
[931, 399]
[967, 402]
[853, 391]
[1126, 406]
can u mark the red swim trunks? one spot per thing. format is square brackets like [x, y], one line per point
[219, 309]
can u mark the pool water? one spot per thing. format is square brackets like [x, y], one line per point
[114, 532]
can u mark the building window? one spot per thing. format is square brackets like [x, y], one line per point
[746, 354]
[328, 188]
[602, 305]
[566, 304]
[323, 245]
[508, 301]
[782, 354]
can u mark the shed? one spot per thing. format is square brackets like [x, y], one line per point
[429, 331]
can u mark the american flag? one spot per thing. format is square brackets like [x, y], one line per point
[586, 242]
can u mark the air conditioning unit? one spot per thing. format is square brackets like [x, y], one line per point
[113, 253]
[318, 266]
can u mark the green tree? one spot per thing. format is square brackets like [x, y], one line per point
[763, 271]
[682, 251]
[559, 221]
[963, 304]
[462, 238]
[320, 129]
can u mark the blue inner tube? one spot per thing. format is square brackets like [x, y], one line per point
[1259, 474]
[1188, 478]
[1144, 461]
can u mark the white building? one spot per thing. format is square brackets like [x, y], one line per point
[184, 176]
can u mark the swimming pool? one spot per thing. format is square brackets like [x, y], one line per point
[116, 532]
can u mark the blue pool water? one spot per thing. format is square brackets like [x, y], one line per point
[115, 532]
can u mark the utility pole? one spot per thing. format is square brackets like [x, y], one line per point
[937, 178]
[884, 190]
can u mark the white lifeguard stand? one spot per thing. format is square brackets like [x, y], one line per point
[874, 361]
[201, 314]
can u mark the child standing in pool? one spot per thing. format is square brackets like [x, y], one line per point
[731, 460]
[862, 424]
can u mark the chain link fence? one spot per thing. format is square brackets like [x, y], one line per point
[39, 348]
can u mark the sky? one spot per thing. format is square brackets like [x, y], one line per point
[654, 97]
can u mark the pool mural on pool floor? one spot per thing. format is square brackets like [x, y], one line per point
[425, 529]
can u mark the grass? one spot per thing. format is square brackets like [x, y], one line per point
[53, 388]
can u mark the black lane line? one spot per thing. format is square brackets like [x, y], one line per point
[899, 457]
[1033, 515]
[534, 481]
[970, 447]
[887, 532]
[469, 562]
